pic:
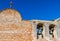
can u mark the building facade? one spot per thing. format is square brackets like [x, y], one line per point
[13, 28]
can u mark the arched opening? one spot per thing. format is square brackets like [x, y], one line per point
[39, 30]
[51, 29]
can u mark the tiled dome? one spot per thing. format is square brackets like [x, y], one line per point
[10, 15]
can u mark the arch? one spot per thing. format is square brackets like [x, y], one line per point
[39, 30]
[51, 29]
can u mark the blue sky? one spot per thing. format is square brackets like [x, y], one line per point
[34, 9]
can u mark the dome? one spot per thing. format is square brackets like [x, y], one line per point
[10, 14]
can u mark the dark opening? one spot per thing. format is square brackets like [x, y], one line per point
[39, 29]
[51, 29]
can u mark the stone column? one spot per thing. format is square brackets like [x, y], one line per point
[47, 31]
[34, 31]
[58, 31]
